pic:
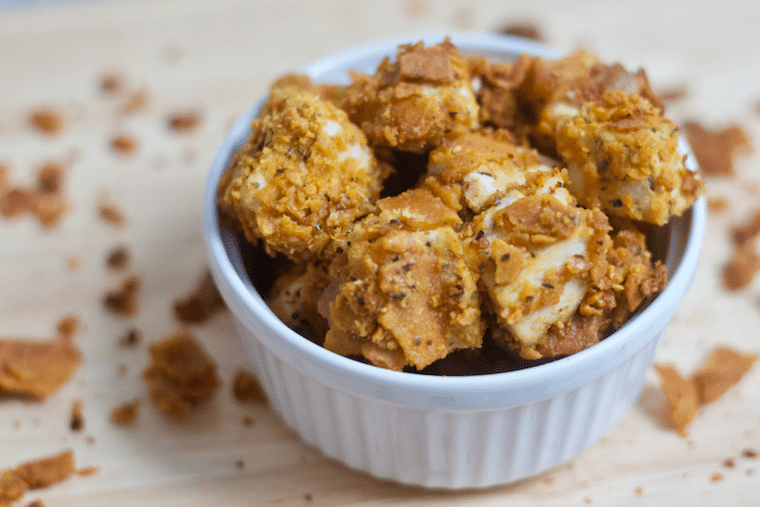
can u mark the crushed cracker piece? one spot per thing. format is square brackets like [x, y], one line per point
[247, 388]
[131, 338]
[729, 463]
[46, 200]
[125, 414]
[749, 453]
[181, 374]
[742, 268]
[45, 472]
[716, 477]
[124, 144]
[118, 257]
[673, 94]
[137, 101]
[524, 30]
[184, 122]
[724, 368]
[73, 263]
[36, 368]
[717, 204]
[47, 120]
[36, 503]
[124, 301]
[68, 326]
[110, 212]
[747, 231]
[111, 83]
[715, 149]
[77, 416]
[682, 397]
[87, 471]
[201, 304]
[12, 487]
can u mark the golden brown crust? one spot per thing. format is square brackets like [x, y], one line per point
[407, 296]
[303, 176]
[623, 156]
[412, 103]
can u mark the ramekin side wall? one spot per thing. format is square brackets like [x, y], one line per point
[448, 449]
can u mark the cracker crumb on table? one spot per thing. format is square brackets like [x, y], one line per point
[181, 374]
[36, 368]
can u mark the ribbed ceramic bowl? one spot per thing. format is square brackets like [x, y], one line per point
[443, 432]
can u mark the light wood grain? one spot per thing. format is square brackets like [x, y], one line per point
[217, 57]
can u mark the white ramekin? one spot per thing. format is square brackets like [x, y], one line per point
[443, 432]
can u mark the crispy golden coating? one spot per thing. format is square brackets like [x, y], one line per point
[412, 103]
[622, 156]
[534, 255]
[304, 174]
[407, 297]
[475, 170]
[295, 296]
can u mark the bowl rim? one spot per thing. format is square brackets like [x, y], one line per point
[468, 392]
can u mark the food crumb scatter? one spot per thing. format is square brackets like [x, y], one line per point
[46, 200]
[716, 477]
[524, 30]
[36, 368]
[181, 374]
[729, 463]
[88, 471]
[723, 368]
[184, 122]
[715, 149]
[124, 144]
[247, 388]
[137, 101]
[73, 263]
[124, 301]
[68, 326]
[717, 204]
[749, 453]
[125, 414]
[77, 416]
[248, 421]
[36, 474]
[742, 267]
[111, 83]
[131, 338]
[118, 258]
[110, 212]
[47, 120]
[201, 304]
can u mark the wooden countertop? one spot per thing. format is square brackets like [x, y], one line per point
[216, 57]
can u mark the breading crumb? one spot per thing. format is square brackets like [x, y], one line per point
[201, 304]
[124, 144]
[181, 374]
[47, 120]
[715, 149]
[125, 414]
[124, 301]
[247, 388]
[184, 122]
[77, 416]
[118, 257]
[36, 368]
[524, 30]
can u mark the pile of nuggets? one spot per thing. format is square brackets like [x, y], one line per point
[526, 191]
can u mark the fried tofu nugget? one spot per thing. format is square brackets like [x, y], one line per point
[534, 255]
[623, 156]
[412, 103]
[304, 174]
[406, 295]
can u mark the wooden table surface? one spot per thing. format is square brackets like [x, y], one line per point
[215, 58]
